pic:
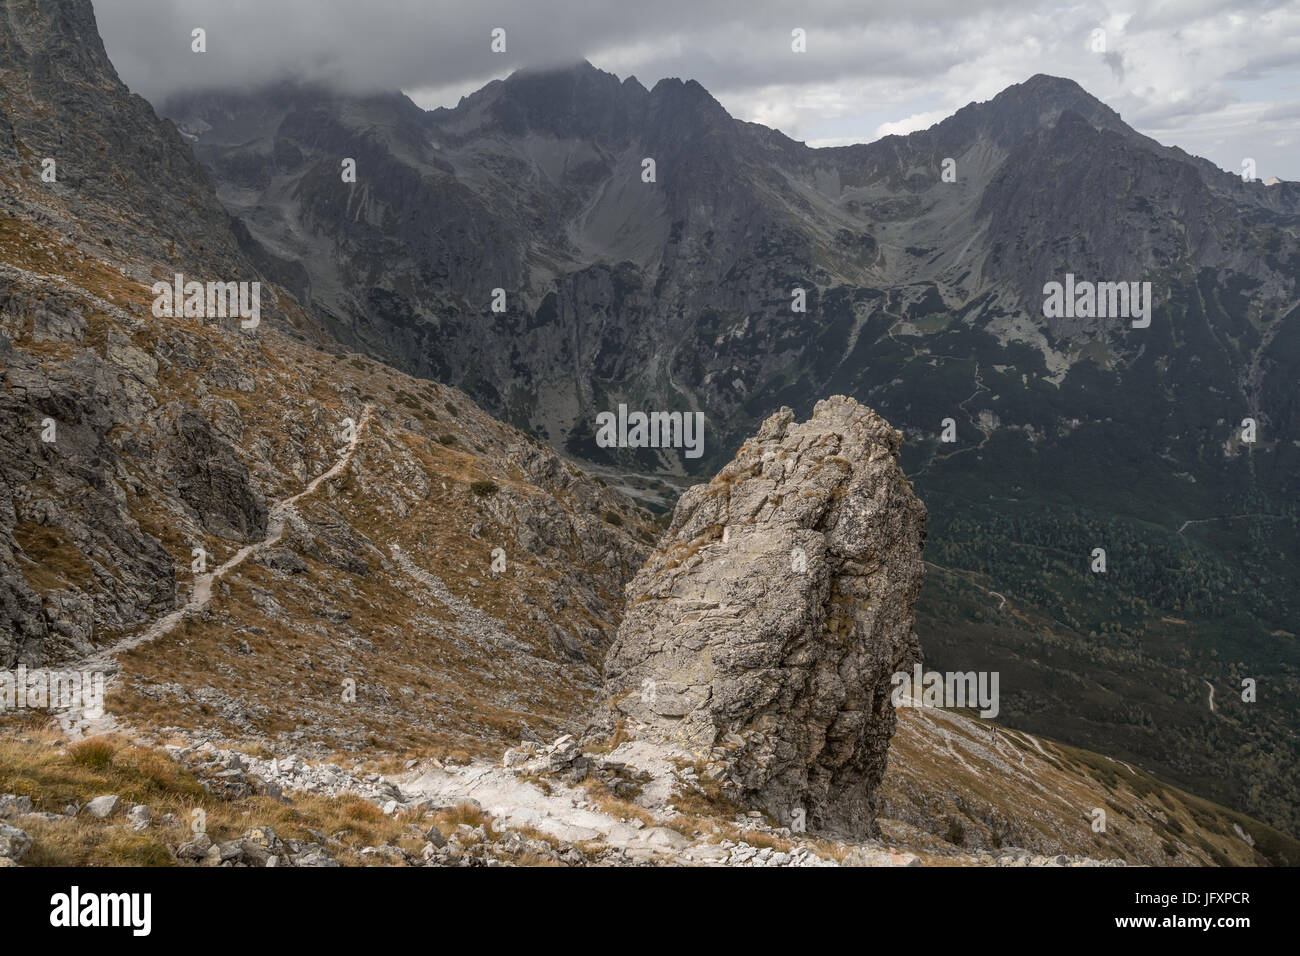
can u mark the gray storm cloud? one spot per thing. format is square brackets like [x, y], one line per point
[1221, 79]
[406, 44]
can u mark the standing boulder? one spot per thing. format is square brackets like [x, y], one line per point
[763, 632]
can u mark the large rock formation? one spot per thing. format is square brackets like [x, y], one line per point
[763, 632]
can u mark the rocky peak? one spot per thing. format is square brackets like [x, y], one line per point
[762, 633]
[1036, 103]
[572, 101]
[61, 99]
[55, 41]
[1021, 111]
[681, 113]
[581, 101]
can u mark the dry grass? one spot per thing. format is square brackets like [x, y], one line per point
[33, 763]
[55, 776]
[620, 735]
[53, 560]
[617, 807]
[1144, 813]
[707, 801]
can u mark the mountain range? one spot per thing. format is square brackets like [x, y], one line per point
[352, 468]
[924, 297]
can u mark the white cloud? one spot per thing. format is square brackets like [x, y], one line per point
[912, 123]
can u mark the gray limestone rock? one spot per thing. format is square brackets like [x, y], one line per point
[14, 843]
[776, 608]
[105, 806]
[211, 479]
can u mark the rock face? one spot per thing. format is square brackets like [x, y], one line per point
[210, 478]
[763, 631]
[61, 98]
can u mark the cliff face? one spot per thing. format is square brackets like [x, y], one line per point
[123, 173]
[763, 632]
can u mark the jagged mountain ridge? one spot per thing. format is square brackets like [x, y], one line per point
[532, 185]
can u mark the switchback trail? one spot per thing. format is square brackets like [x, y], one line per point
[201, 593]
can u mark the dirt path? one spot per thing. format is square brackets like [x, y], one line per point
[970, 574]
[201, 593]
[567, 812]
[1225, 518]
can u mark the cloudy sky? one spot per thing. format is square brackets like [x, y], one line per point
[1220, 79]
